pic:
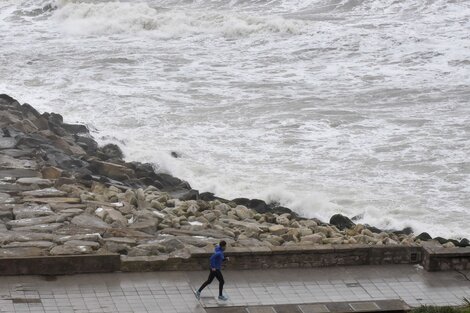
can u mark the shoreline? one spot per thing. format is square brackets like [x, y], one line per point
[62, 194]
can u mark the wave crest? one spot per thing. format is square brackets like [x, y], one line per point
[105, 18]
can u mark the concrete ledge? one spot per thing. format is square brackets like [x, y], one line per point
[281, 257]
[444, 259]
[60, 265]
[389, 306]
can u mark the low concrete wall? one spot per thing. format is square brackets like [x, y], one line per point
[60, 265]
[281, 257]
[444, 259]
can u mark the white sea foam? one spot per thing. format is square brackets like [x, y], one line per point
[105, 18]
[325, 106]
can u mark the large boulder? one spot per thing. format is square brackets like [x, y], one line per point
[341, 222]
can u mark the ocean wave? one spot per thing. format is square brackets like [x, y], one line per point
[105, 18]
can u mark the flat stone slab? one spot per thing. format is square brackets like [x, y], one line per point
[52, 201]
[18, 173]
[89, 221]
[37, 244]
[18, 153]
[5, 197]
[11, 236]
[32, 221]
[13, 189]
[95, 237]
[7, 143]
[7, 161]
[47, 192]
[42, 228]
[32, 211]
[93, 244]
[122, 240]
[35, 181]
[70, 250]
[21, 252]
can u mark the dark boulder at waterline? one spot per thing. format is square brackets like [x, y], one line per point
[341, 222]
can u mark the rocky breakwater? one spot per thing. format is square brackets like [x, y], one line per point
[62, 194]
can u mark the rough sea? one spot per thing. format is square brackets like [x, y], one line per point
[359, 107]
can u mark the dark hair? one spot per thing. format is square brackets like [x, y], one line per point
[222, 243]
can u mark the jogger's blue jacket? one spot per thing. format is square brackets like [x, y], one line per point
[217, 258]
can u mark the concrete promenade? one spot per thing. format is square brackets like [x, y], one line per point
[171, 292]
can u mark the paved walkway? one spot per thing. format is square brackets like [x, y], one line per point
[171, 292]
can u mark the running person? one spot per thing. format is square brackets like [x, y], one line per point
[216, 263]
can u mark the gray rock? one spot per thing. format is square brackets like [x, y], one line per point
[21, 252]
[151, 248]
[35, 181]
[89, 221]
[7, 142]
[47, 192]
[243, 212]
[30, 236]
[122, 240]
[95, 237]
[13, 189]
[7, 161]
[171, 244]
[5, 198]
[42, 228]
[32, 221]
[341, 221]
[32, 211]
[148, 226]
[37, 244]
[70, 250]
[93, 244]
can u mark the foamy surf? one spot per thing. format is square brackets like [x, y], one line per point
[107, 18]
[325, 106]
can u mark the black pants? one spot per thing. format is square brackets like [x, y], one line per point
[217, 274]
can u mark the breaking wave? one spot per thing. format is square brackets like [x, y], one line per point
[106, 18]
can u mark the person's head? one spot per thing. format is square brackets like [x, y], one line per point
[223, 244]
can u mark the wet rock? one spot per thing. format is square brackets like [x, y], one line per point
[89, 221]
[341, 221]
[424, 236]
[441, 240]
[13, 163]
[112, 170]
[405, 231]
[464, 242]
[110, 151]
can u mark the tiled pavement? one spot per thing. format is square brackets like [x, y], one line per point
[171, 292]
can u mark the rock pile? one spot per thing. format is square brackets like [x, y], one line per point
[62, 194]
